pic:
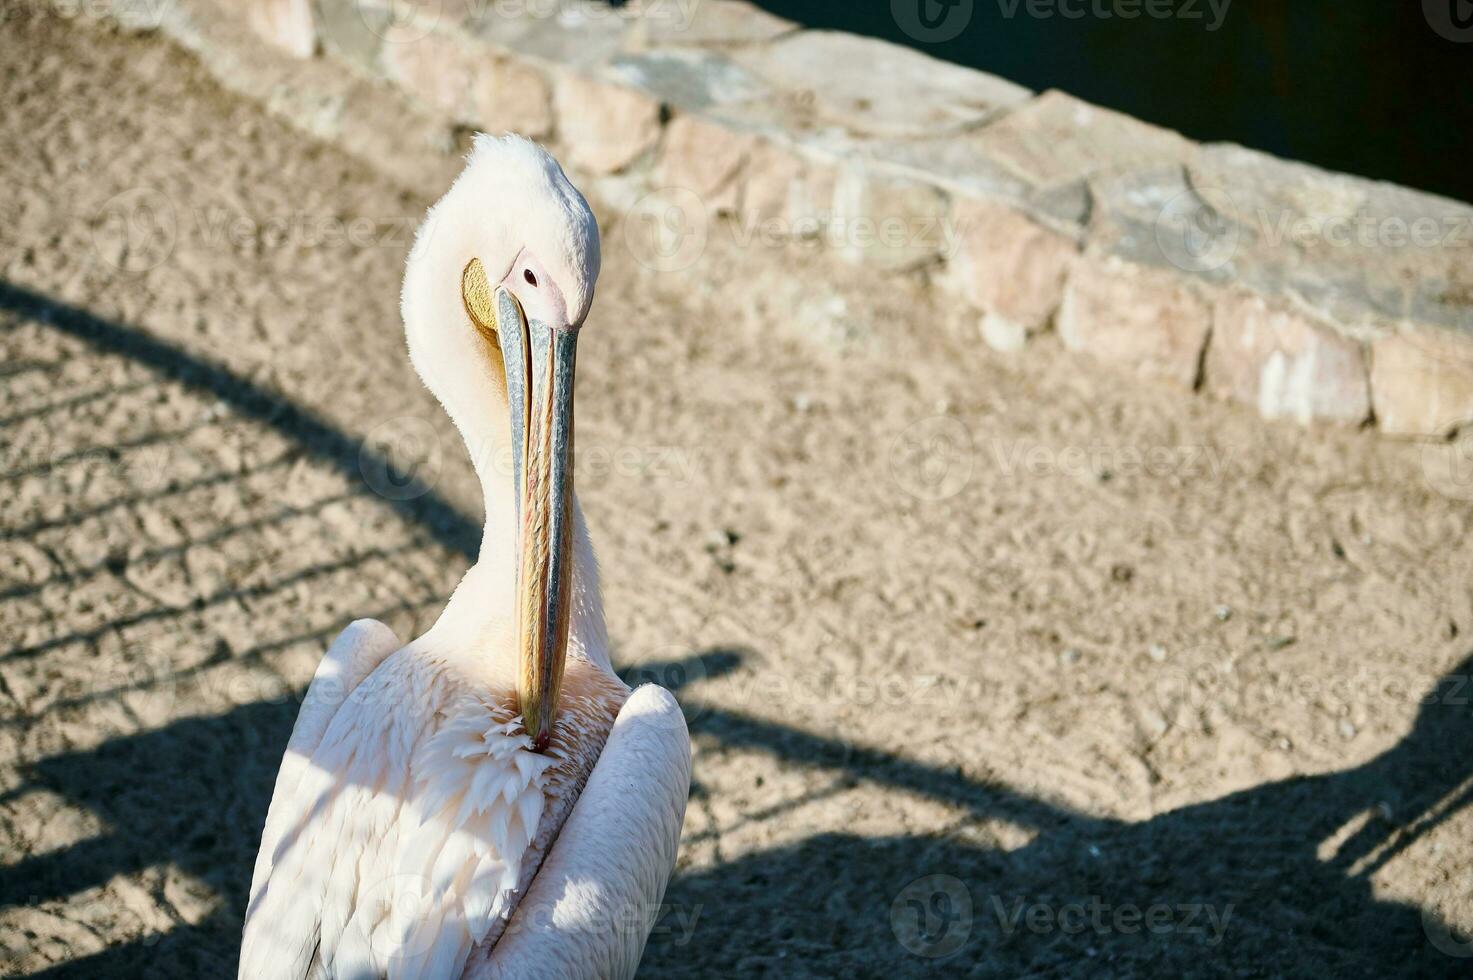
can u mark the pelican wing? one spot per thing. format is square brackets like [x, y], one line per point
[397, 843]
[598, 893]
[357, 651]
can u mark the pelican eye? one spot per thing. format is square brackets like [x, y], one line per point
[527, 275]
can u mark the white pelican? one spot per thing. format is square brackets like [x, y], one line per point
[489, 800]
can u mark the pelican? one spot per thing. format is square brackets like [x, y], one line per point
[490, 799]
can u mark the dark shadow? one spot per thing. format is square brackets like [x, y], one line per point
[208, 828]
[733, 729]
[93, 453]
[227, 595]
[25, 531]
[826, 901]
[106, 567]
[678, 675]
[1251, 884]
[317, 436]
[823, 905]
[67, 404]
[174, 680]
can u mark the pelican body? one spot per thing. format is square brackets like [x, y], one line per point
[490, 799]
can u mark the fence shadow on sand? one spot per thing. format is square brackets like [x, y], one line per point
[1248, 880]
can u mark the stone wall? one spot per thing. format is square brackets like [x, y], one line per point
[1311, 295]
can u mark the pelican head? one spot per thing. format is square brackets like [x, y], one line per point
[497, 286]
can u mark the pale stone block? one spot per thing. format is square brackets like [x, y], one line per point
[785, 194]
[469, 83]
[1152, 320]
[691, 80]
[287, 24]
[434, 68]
[1057, 139]
[1007, 265]
[704, 157]
[352, 31]
[1285, 363]
[768, 177]
[884, 221]
[604, 127]
[875, 88]
[510, 96]
[708, 22]
[1422, 382]
[1002, 334]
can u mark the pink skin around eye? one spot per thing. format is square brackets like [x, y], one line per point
[536, 289]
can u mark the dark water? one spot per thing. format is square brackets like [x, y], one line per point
[1369, 87]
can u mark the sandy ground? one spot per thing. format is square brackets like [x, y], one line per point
[997, 666]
